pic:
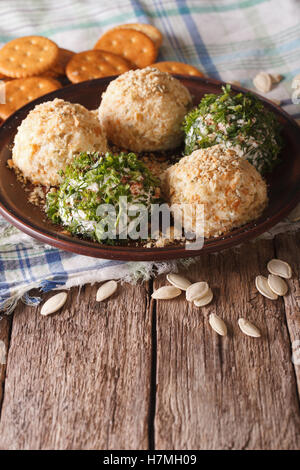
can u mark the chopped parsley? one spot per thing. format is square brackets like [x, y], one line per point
[94, 180]
[239, 121]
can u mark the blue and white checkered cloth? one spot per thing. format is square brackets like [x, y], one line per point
[227, 39]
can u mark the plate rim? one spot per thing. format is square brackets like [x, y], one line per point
[89, 248]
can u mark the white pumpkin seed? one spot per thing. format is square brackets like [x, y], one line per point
[296, 82]
[196, 291]
[294, 216]
[234, 82]
[262, 286]
[106, 290]
[166, 293]
[178, 281]
[277, 284]
[205, 300]
[248, 328]
[217, 324]
[276, 77]
[279, 268]
[54, 303]
[277, 102]
[263, 82]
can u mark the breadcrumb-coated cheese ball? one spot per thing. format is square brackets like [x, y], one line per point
[143, 110]
[230, 188]
[51, 135]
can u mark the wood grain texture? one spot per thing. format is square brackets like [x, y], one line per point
[288, 249]
[235, 392]
[81, 378]
[5, 323]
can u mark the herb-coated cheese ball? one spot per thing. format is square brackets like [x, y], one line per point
[143, 110]
[51, 135]
[230, 189]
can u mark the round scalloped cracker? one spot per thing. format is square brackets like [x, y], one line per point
[151, 31]
[22, 91]
[59, 68]
[178, 68]
[64, 56]
[27, 56]
[95, 64]
[132, 45]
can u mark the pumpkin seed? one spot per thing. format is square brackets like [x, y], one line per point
[279, 268]
[166, 293]
[277, 284]
[277, 102]
[296, 82]
[217, 324]
[54, 303]
[205, 300]
[262, 286]
[276, 77]
[234, 82]
[248, 328]
[178, 281]
[263, 82]
[294, 216]
[196, 291]
[106, 290]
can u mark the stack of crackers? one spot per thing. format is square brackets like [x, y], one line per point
[32, 66]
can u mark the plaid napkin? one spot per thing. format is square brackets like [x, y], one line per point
[226, 39]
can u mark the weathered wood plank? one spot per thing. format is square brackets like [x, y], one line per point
[226, 393]
[5, 323]
[80, 379]
[288, 249]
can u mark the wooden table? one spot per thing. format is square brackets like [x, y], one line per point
[132, 373]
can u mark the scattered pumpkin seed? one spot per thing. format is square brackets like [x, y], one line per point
[205, 300]
[294, 216]
[106, 290]
[166, 293]
[279, 268]
[276, 77]
[196, 291]
[248, 328]
[262, 286]
[277, 284]
[54, 303]
[178, 281]
[263, 82]
[217, 324]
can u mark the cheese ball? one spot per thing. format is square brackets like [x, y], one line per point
[231, 189]
[51, 135]
[143, 110]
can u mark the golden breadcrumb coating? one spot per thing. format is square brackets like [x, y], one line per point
[50, 136]
[230, 188]
[143, 110]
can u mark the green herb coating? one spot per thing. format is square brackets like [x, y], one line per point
[92, 180]
[239, 121]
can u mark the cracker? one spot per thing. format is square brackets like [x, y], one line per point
[95, 64]
[64, 56]
[178, 68]
[27, 56]
[22, 91]
[59, 68]
[153, 33]
[133, 45]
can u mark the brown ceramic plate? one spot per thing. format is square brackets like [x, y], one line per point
[284, 182]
